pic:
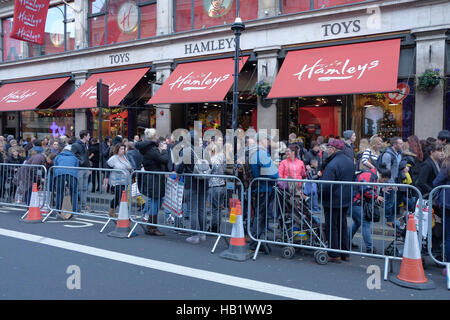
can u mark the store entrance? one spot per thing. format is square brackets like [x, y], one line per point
[312, 117]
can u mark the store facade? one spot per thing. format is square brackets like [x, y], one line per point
[161, 36]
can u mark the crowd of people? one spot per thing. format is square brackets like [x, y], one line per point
[424, 164]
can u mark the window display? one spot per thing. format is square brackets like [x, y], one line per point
[12, 49]
[123, 18]
[208, 13]
[47, 123]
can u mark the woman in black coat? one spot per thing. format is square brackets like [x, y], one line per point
[155, 158]
[429, 169]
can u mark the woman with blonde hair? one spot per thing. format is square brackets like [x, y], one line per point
[370, 155]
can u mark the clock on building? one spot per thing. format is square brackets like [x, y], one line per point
[127, 17]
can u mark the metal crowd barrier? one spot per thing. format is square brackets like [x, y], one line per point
[16, 183]
[294, 214]
[439, 228]
[82, 192]
[186, 203]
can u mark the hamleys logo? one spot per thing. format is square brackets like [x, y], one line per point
[18, 96]
[198, 82]
[337, 70]
[91, 92]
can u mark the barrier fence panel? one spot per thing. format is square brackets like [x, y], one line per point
[332, 218]
[439, 227]
[187, 203]
[89, 192]
[16, 183]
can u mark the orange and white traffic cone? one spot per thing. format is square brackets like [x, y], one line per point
[33, 214]
[238, 249]
[123, 220]
[411, 270]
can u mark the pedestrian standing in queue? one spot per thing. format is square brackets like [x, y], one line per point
[155, 158]
[337, 198]
[118, 180]
[94, 158]
[349, 143]
[66, 176]
[80, 150]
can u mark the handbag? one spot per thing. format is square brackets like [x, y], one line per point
[371, 211]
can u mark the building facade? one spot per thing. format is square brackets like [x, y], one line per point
[98, 39]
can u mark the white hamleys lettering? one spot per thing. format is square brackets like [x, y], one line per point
[337, 70]
[28, 19]
[18, 96]
[32, 5]
[91, 92]
[197, 82]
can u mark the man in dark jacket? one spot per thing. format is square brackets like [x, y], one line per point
[134, 156]
[80, 150]
[94, 158]
[155, 158]
[337, 198]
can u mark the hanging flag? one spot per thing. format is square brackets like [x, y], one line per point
[29, 20]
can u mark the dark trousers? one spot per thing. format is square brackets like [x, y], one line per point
[336, 229]
[117, 195]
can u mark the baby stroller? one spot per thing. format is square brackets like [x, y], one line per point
[395, 248]
[297, 225]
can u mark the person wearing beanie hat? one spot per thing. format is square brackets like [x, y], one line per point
[337, 198]
[349, 140]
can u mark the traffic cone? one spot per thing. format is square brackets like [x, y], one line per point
[123, 220]
[238, 249]
[411, 270]
[33, 214]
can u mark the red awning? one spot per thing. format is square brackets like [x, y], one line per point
[193, 82]
[28, 95]
[120, 84]
[346, 69]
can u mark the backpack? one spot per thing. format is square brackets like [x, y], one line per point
[201, 167]
[380, 159]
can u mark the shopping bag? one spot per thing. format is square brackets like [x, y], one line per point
[173, 199]
[135, 190]
[44, 201]
[66, 206]
[422, 218]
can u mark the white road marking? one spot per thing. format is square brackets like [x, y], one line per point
[221, 278]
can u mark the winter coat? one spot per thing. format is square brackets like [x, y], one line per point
[261, 165]
[94, 149]
[80, 150]
[66, 159]
[152, 185]
[389, 158]
[119, 178]
[27, 175]
[428, 172]
[190, 183]
[442, 179]
[349, 151]
[294, 169]
[339, 168]
[135, 158]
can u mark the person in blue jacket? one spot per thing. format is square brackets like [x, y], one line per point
[63, 176]
[261, 166]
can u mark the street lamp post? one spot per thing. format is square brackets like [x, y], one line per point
[237, 28]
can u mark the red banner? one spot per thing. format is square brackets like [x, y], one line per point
[29, 20]
[346, 69]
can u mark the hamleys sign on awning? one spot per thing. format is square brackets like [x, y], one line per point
[346, 69]
[194, 82]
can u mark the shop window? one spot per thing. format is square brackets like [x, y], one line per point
[208, 13]
[319, 4]
[47, 123]
[54, 39]
[114, 122]
[12, 49]
[385, 114]
[123, 18]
